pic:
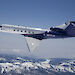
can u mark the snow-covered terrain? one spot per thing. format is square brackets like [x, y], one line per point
[25, 66]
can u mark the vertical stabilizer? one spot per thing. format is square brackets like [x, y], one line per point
[70, 29]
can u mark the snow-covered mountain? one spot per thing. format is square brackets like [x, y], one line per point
[27, 66]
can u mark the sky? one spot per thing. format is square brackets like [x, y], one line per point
[40, 14]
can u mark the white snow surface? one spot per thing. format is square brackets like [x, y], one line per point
[19, 67]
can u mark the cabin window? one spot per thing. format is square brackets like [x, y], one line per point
[17, 30]
[29, 31]
[21, 31]
[33, 32]
[14, 30]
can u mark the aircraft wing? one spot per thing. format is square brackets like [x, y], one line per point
[32, 43]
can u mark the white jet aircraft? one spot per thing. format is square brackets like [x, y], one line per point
[34, 35]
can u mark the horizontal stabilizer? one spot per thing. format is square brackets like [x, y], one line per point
[32, 43]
